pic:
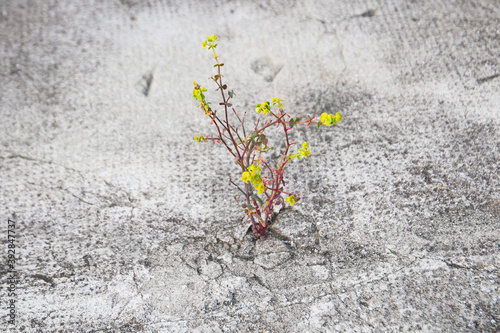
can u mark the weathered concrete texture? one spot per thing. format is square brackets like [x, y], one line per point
[124, 224]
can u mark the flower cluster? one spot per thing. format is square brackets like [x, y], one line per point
[200, 97]
[278, 102]
[291, 200]
[330, 119]
[210, 42]
[198, 92]
[253, 176]
[200, 139]
[211, 45]
[265, 108]
[302, 152]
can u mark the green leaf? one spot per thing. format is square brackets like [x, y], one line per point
[250, 207]
[229, 105]
[292, 123]
[319, 124]
[256, 197]
[232, 94]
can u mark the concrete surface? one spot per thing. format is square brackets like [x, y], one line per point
[125, 224]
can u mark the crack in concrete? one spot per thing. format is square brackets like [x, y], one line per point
[43, 161]
[139, 292]
[137, 285]
[89, 203]
[487, 78]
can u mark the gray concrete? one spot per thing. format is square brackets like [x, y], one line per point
[125, 224]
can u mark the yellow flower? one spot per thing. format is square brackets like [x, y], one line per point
[212, 38]
[278, 102]
[330, 119]
[339, 117]
[198, 93]
[291, 200]
[264, 107]
[260, 188]
[257, 179]
[255, 168]
[253, 175]
[303, 152]
[246, 177]
[209, 41]
[323, 118]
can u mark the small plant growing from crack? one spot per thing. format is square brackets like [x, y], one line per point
[263, 181]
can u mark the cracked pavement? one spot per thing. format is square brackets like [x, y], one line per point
[125, 224]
